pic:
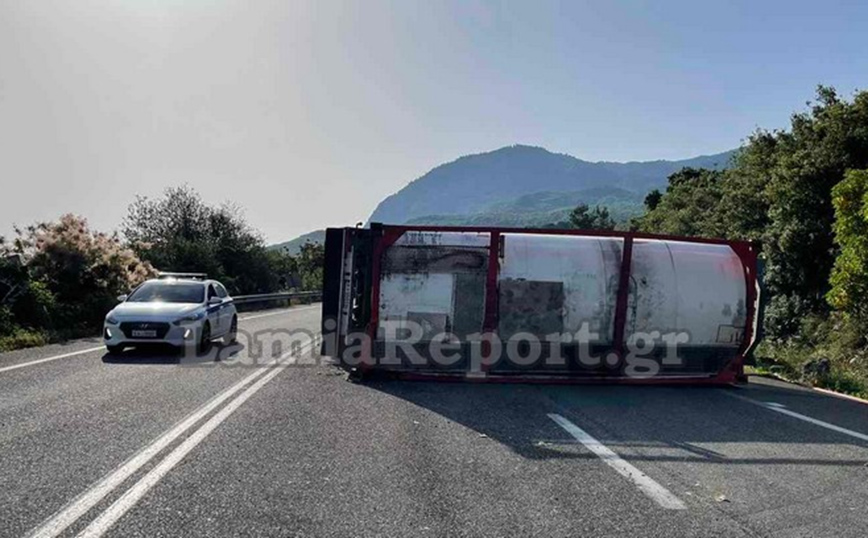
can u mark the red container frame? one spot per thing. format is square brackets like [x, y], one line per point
[387, 235]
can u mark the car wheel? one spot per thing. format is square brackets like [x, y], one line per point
[115, 350]
[205, 338]
[232, 336]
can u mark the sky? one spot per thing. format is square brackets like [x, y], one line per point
[308, 113]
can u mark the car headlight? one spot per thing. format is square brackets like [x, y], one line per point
[190, 318]
[111, 320]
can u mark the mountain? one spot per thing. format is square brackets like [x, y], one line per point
[293, 246]
[477, 185]
[521, 186]
[542, 208]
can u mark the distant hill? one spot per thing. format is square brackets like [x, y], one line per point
[476, 185]
[541, 208]
[294, 246]
[522, 186]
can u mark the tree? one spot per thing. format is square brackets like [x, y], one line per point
[284, 267]
[778, 191]
[808, 162]
[311, 260]
[688, 208]
[849, 278]
[582, 217]
[180, 232]
[652, 200]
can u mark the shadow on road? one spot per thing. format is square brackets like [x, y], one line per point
[162, 354]
[643, 423]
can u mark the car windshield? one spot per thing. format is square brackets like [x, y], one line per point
[165, 292]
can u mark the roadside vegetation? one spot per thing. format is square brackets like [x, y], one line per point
[58, 279]
[802, 194]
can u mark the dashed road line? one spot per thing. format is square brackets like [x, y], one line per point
[645, 483]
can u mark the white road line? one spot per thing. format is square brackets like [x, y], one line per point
[113, 513]
[87, 500]
[645, 483]
[48, 359]
[783, 410]
[287, 311]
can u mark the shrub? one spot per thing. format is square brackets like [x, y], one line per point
[7, 323]
[21, 338]
[71, 275]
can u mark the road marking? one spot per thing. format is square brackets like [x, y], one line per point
[780, 408]
[48, 359]
[645, 483]
[287, 311]
[113, 513]
[87, 500]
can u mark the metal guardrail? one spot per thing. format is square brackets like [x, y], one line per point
[283, 296]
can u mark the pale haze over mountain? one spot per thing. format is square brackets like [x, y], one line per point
[309, 113]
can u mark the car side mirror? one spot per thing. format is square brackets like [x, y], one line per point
[122, 298]
[215, 300]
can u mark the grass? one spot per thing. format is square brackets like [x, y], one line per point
[23, 338]
[845, 383]
[846, 375]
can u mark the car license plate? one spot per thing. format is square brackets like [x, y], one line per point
[144, 334]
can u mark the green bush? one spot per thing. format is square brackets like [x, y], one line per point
[7, 322]
[22, 338]
[68, 280]
[35, 307]
[844, 382]
[835, 338]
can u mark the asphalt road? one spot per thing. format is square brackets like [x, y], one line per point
[149, 445]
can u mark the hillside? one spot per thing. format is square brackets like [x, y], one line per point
[522, 186]
[543, 208]
[293, 246]
[477, 185]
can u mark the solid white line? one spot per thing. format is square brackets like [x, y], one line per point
[287, 311]
[113, 513]
[40, 361]
[87, 500]
[645, 483]
[783, 410]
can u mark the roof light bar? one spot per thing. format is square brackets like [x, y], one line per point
[196, 276]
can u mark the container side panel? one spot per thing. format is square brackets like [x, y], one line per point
[695, 289]
[712, 293]
[584, 271]
[425, 296]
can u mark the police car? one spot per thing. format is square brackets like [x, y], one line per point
[179, 309]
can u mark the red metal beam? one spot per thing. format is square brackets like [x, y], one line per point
[556, 231]
[722, 378]
[623, 297]
[489, 324]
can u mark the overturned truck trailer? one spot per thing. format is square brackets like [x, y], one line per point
[501, 304]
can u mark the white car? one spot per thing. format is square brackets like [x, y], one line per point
[179, 309]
